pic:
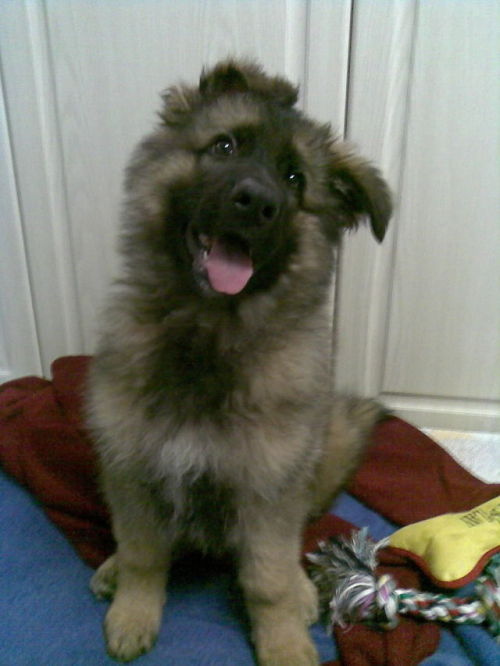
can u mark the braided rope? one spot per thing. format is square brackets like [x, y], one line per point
[348, 566]
[440, 607]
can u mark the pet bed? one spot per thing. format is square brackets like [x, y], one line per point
[54, 529]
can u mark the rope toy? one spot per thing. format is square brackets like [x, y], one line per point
[346, 568]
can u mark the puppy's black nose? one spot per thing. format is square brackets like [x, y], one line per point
[258, 202]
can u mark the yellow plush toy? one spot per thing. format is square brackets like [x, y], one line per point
[454, 548]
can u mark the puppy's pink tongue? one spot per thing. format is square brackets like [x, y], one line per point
[229, 268]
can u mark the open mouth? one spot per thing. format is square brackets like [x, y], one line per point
[224, 261]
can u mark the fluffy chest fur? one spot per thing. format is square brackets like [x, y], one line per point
[249, 413]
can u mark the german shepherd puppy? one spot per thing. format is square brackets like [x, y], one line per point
[210, 392]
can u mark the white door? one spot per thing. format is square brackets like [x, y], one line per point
[19, 350]
[420, 316]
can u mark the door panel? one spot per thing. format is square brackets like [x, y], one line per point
[420, 321]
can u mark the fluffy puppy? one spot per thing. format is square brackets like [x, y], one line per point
[210, 395]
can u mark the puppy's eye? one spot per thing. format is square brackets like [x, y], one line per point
[295, 179]
[223, 146]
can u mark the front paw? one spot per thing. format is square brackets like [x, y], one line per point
[131, 630]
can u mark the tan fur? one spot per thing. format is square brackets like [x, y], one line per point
[214, 418]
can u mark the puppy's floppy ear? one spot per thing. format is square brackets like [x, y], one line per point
[360, 193]
[234, 76]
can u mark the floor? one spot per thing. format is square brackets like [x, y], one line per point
[478, 452]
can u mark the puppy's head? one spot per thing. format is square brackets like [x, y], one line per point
[234, 176]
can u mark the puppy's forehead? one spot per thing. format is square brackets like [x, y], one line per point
[230, 113]
[225, 115]
[284, 132]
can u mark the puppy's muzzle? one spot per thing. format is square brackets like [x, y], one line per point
[255, 201]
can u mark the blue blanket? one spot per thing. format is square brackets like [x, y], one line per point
[49, 617]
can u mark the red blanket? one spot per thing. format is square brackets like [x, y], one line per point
[406, 477]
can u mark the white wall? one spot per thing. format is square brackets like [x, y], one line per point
[414, 84]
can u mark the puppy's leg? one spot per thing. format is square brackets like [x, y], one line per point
[138, 571]
[103, 582]
[308, 598]
[280, 600]
[352, 422]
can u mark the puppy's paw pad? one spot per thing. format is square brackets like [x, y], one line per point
[103, 582]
